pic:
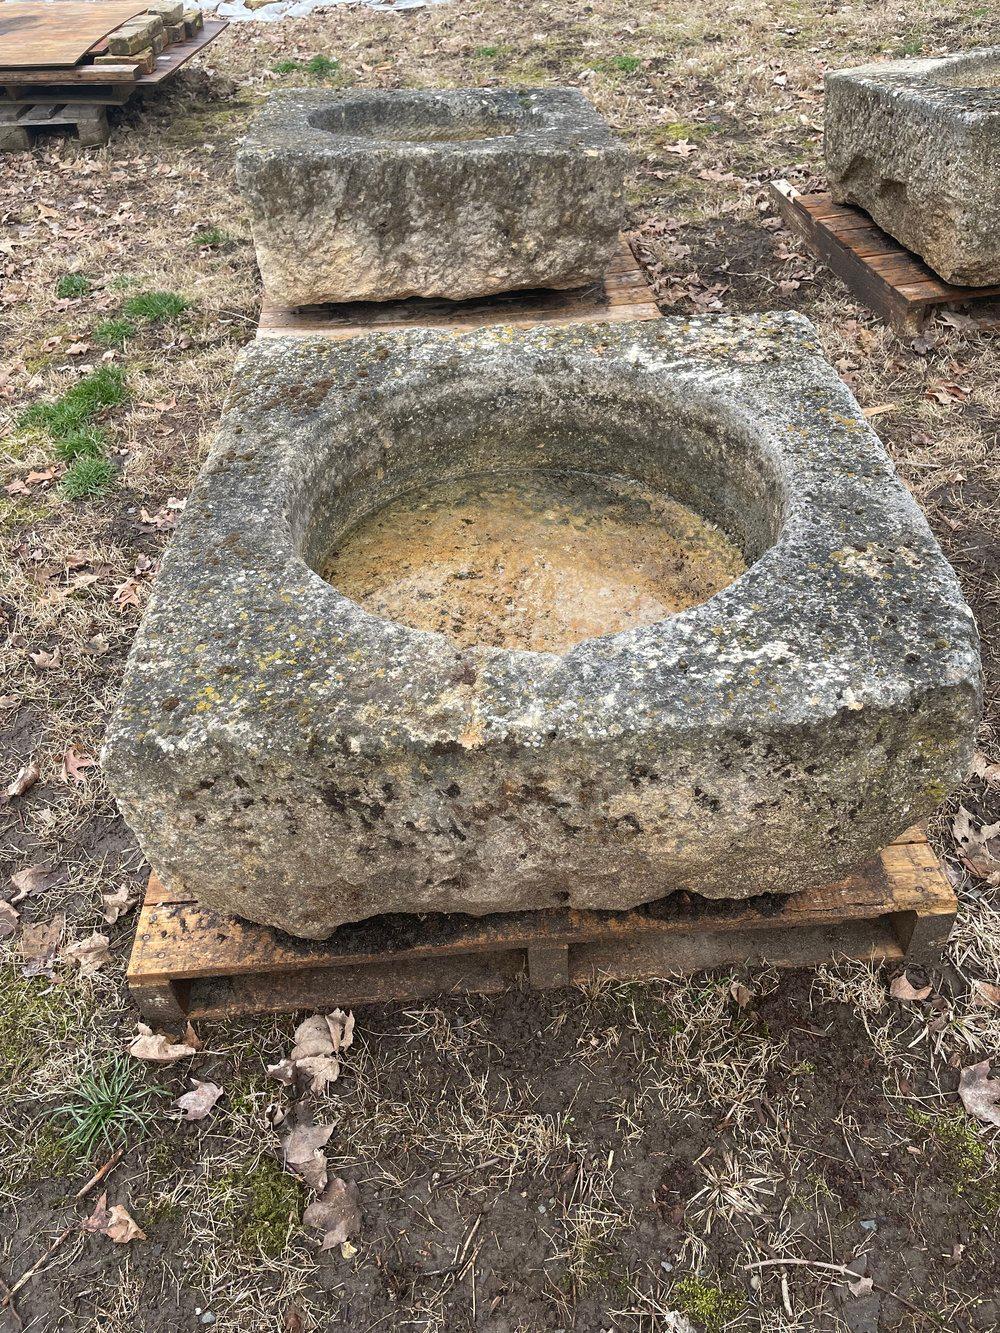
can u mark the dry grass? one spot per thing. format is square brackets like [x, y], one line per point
[617, 1158]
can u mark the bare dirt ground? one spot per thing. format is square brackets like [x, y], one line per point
[717, 1150]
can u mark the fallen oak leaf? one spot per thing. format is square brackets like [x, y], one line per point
[40, 944]
[986, 992]
[337, 1213]
[903, 990]
[980, 1093]
[89, 954]
[34, 879]
[197, 1103]
[74, 766]
[319, 1041]
[304, 1156]
[115, 1222]
[147, 1045]
[115, 904]
[46, 661]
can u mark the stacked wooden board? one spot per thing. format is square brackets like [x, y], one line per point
[64, 64]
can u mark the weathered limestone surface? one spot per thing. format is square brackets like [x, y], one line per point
[916, 143]
[372, 196]
[290, 757]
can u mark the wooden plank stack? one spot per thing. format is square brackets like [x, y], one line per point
[141, 52]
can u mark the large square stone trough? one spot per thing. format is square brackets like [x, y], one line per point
[292, 756]
[916, 143]
[374, 196]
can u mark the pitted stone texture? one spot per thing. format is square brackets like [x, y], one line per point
[373, 196]
[288, 757]
[916, 143]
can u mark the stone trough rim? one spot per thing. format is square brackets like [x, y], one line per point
[639, 654]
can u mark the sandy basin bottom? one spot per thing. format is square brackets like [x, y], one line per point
[539, 560]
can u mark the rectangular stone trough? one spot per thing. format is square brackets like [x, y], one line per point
[916, 143]
[688, 630]
[377, 196]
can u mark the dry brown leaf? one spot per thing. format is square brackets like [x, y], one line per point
[740, 993]
[25, 779]
[903, 990]
[115, 1222]
[980, 1093]
[337, 1213]
[9, 917]
[115, 904]
[148, 1045]
[74, 766]
[319, 1040]
[304, 1156]
[986, 992]
[40, 945]
[89, 955]
[46, 661]
[34, 879]
[197, 1103]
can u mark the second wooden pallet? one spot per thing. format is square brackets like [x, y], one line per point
[887, 277]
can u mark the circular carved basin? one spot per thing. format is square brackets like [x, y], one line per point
[540, 560]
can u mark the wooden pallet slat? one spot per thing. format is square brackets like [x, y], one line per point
[623, 294]
[188, 961]
[887, 277]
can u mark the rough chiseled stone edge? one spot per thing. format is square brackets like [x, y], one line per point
[936, 224]
[561, 130]
[213, 681]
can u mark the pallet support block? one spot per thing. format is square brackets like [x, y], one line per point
[623, 294]
[188, 962]
[882, 273]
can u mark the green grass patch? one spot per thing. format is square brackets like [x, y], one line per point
[110, 1106]
[72, 284]
[114, 332]
[211, 238]
[623, 64]
[321, 67]
[89, 443]
[489, 52]
[156, 306]
[87, 479]
[78, 406]
[35, 1016]
[261, 1207]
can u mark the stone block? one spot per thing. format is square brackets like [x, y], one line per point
[285, 754]
[916, 144]
[373, 196]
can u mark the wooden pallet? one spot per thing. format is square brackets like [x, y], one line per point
[20, 122]
[622, 295]
[188, 962]
[887, 277]
[31, 103]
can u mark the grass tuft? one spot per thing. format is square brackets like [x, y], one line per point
[155, 306]
[114, 332]
[211, 238]
[72, 284]
[624, 64]
[90, 443]
[110, 1106]
[79, 405]
[87, 478]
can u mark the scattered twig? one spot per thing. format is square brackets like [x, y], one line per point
[64, 1235]
[8, 1301]
[841, 1271]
